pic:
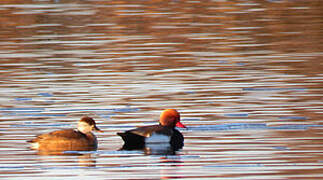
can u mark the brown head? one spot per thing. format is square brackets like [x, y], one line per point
[170, 118]
[87, 124]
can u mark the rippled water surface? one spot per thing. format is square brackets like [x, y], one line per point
[245, 75]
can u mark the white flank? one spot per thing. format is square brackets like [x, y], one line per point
[157, 138]
[158, 147]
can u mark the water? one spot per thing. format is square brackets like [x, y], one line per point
[245, 75]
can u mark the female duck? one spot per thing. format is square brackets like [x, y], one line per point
[80, 139]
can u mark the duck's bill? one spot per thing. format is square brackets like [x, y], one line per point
[97, 129]
[179, 124]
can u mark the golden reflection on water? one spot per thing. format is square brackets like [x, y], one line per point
[224, 65]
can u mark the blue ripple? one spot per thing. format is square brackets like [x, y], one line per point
[38, 125]
[45, 94]
[234, 165]
[23, 99]
[274, 89]
[294, 117]
[22, 109]
[236, 115]
[249, 126]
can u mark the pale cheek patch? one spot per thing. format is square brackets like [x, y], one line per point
[35, 145]
[157, 138]
[83, 127]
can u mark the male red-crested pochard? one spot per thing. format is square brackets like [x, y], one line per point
[165, 132]
[80, 139]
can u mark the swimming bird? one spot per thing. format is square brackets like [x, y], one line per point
[80, 139]
[163, 133]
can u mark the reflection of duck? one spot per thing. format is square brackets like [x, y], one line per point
[53, 158]
[163, 134]
[159, 149]
[80, 139]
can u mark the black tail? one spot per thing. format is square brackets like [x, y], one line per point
[132, 141]
[121, 134]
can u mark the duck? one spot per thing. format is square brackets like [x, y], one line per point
[80, 139]
[163, 133]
